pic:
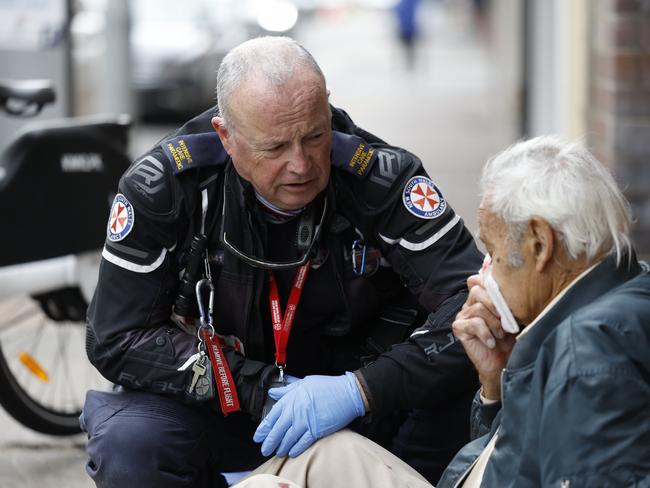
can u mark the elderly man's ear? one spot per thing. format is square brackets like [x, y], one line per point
[541, 242]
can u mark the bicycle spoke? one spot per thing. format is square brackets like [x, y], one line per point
[56, 347]
[15, 321]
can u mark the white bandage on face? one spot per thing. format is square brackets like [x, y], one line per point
[508, 322]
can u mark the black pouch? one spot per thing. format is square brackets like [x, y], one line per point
[269, 402]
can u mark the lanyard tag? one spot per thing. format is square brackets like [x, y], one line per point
[226, 388]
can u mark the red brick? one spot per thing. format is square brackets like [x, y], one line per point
[632, 141]
[626, 5]
[618, 117]
[603, 98]
[626, 68]
[599, 137]
[632, 102]
[625, 32]
[644, 66]
[644, 32]
[622, 101]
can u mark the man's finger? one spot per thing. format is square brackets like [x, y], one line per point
[305, 441]
[493, 322]
[290, 439]
[276, 435]
[474, 280]
[474, 328]
[478, 294]
[277, 393]
[265, 426]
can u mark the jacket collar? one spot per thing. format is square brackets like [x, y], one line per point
[603, 278]
[243, 230]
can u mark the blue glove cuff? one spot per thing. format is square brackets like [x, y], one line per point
[355, 394]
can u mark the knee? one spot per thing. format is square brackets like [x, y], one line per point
[339, 444]
[135, 444]
[121, 454]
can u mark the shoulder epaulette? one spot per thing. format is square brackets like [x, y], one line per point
[352, 153]
[194, 151]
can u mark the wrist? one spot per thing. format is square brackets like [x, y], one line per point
[366, 404]
[490, 390]
[360, 401]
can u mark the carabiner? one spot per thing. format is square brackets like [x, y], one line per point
[358, 246]
[206, 318]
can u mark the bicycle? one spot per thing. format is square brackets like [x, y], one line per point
[57, 183]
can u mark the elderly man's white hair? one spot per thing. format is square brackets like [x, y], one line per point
[564, 184]
[275, 59]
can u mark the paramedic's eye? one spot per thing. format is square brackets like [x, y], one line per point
[315, 138]
[273, 149]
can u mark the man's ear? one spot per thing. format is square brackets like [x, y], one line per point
[224, 134]
[542, 240]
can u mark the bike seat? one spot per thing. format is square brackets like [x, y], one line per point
[37, 91]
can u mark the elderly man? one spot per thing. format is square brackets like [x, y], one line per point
[566, 401]
[316, 249]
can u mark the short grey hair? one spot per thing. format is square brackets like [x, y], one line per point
[564, 184]
[273, 58]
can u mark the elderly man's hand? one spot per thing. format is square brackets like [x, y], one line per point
[488, 346]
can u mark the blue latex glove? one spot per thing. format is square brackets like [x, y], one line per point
[308, 410]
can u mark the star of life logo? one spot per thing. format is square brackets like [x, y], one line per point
[422, 198]
[121, 220]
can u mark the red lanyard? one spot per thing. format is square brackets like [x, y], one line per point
[282, 325]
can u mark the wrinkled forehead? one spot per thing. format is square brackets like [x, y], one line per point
[258, 90]
[263, 106]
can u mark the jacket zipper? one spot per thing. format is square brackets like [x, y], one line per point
[338, 267]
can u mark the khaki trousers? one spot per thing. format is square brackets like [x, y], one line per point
[342, 459]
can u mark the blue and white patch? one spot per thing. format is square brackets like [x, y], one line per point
[121, 220]
[423, 199]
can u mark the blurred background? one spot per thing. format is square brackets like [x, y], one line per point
[453, 81]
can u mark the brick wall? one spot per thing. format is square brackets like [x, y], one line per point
[619, 101]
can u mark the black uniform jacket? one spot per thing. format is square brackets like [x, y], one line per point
[414, 266]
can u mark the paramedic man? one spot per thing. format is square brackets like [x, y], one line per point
[287, 185]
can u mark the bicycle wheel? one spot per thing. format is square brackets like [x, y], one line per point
[44, 371]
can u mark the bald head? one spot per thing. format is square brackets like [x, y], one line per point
[264, 61]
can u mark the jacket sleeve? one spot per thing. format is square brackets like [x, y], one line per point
[430, 249]
[594, 431]
[425, 371]
[482, 416]
[131, 337]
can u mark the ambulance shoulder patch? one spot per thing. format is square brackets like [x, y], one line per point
[121, 220]
[422, 198]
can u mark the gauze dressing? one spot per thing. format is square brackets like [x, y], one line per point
[508, 322]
